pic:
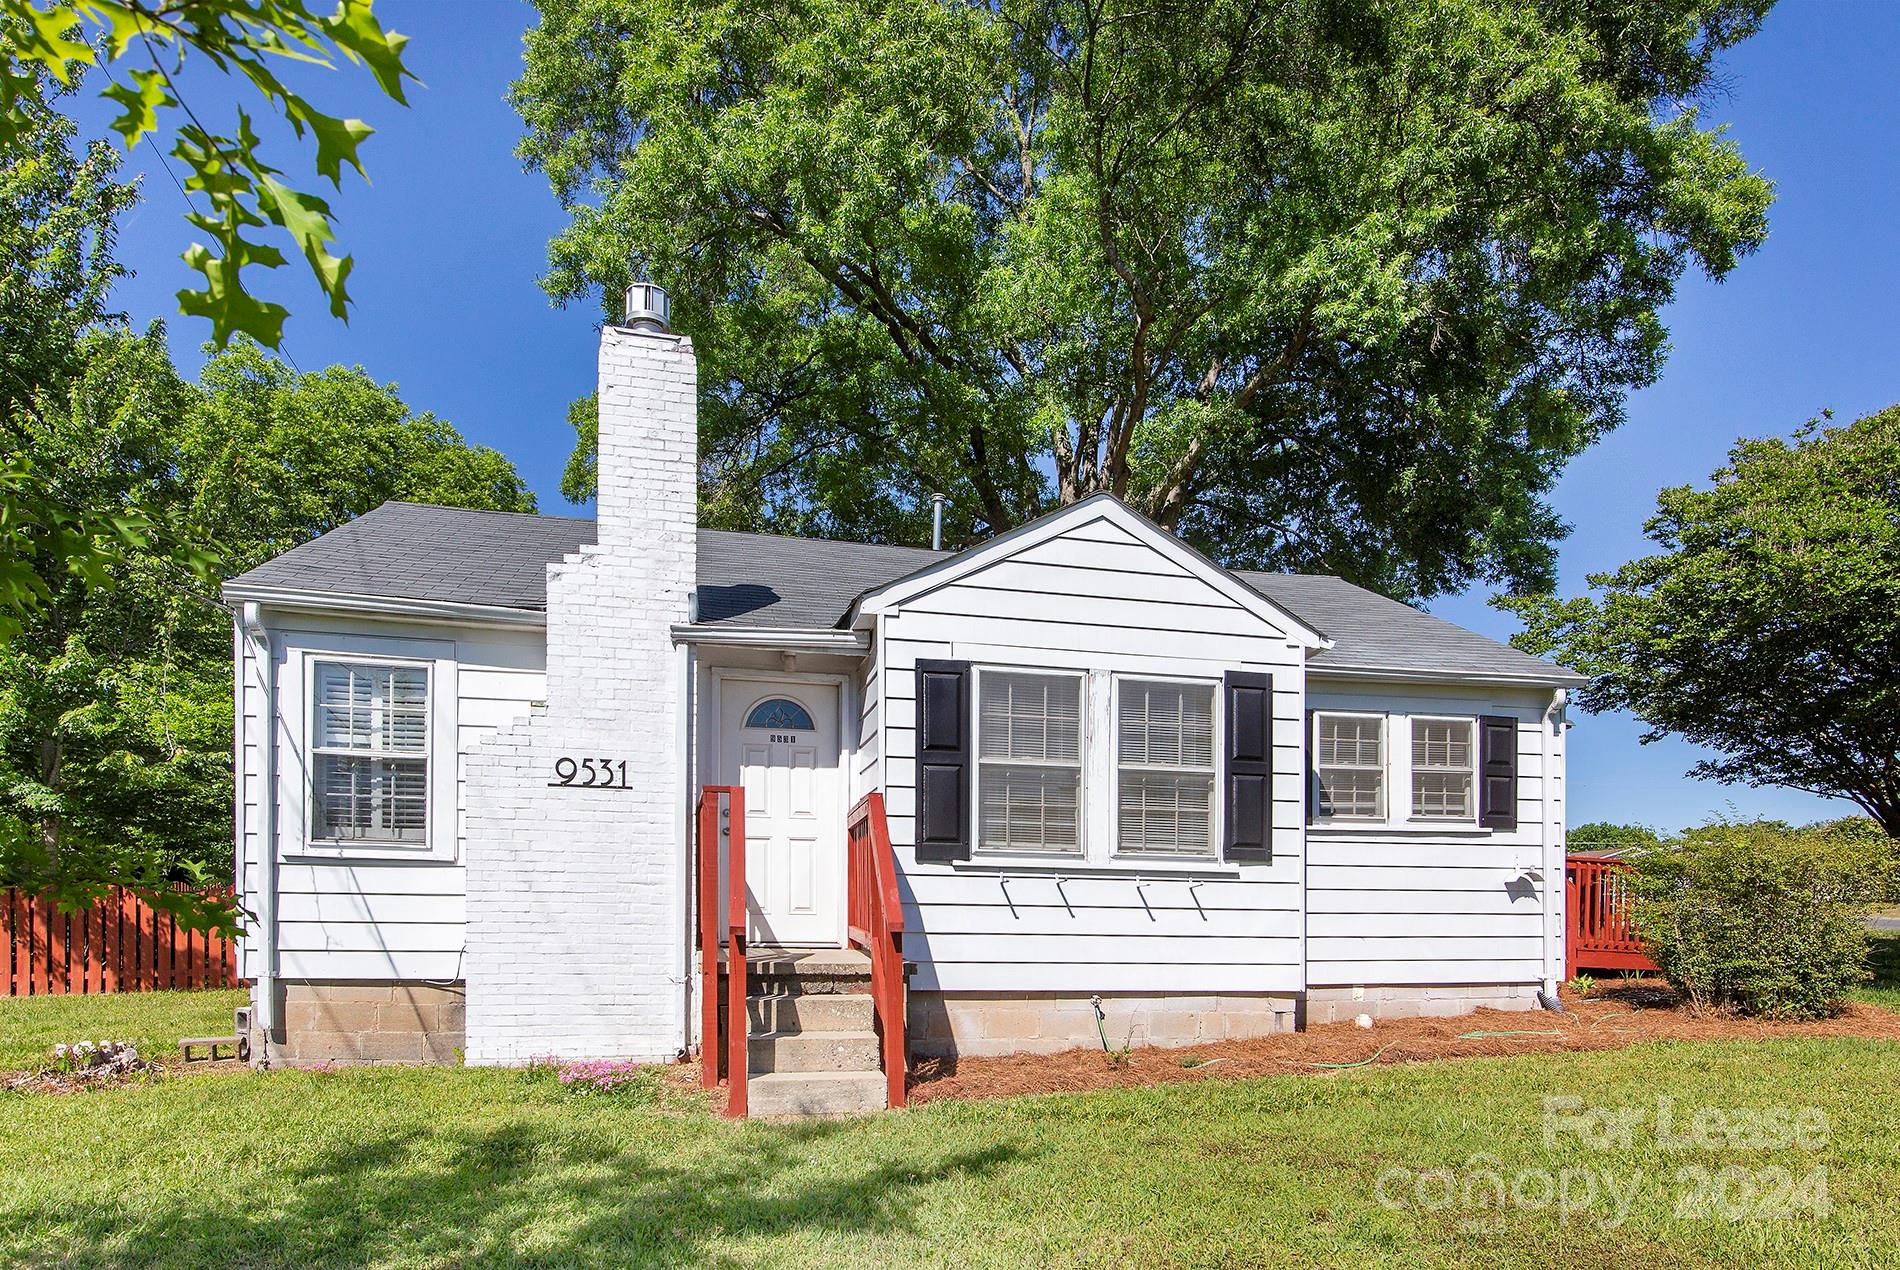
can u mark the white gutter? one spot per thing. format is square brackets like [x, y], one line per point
[786, 639]
[386, 606]
[1412, 674]
[252, 618]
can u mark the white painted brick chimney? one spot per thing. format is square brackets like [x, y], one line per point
[577, 897]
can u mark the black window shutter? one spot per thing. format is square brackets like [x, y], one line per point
[943, 760]
[1497, 772]
[1248, 802]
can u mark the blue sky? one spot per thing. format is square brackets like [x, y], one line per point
[451, 236]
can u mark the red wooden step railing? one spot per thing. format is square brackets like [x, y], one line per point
[722, 822]
[121, 944]
[875, 919]
[1599, 933]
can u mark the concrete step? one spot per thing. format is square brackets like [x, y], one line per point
[812, 1052]
[815, 1093]
[815, 1012]
[807, 971]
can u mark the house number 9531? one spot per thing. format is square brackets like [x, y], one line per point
[590, 773]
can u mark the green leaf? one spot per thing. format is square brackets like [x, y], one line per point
[230, 308]
[356, 31]
[142, 100]
[337, 139]
[308, 219]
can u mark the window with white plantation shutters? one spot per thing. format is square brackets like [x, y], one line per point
[1164, 736]
[1029, 762]
[1349, 758]
[369, 741]
[1442, 769]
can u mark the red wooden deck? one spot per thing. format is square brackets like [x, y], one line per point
[1598, 931]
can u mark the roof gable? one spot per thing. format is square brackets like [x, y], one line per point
[1098, 532]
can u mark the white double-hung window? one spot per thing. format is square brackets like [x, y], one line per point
[1029, 762]
[1443, 769]
[1349, 761]
[369, 753]
[1164, 736]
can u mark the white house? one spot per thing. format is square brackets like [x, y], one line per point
[1219, 804]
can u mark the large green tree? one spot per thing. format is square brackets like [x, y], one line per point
[1318, 283]
[59, 260]
[1768, 625]
[59, 208]
[115, 705]
[115, 689]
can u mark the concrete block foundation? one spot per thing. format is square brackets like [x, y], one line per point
[947, 1023]
[364, 1022]
[1343, 1004]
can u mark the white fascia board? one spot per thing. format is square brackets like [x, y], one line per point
[384, 606]
[1456, 678]
[893, 595]
[777, 639]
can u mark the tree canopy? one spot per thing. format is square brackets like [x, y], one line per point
[115, 693]
[1317, 284]
[1768, 625]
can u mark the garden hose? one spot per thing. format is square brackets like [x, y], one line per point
[1361, 1063]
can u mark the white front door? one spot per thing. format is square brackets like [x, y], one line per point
[779, 743]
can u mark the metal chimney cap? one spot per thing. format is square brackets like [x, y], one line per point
[647, 308]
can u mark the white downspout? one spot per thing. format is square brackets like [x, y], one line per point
[1552, 838]
[267, 1020]
[686, 743]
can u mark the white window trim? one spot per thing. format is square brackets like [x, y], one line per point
[441, 837]
[1085, 744]
[1398, 818]
[1458, 822]
[1387, 774]
[1218, 828]
[1099, 826]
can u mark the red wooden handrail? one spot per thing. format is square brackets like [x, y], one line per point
[722, 815]
[1599, 929]
[875, 920]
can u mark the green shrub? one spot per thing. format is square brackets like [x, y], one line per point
[1764, 918]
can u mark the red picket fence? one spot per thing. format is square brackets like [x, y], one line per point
[120, 945]
[1598, 932]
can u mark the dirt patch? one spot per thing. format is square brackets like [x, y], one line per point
[47, 1081]
[1612, 1017]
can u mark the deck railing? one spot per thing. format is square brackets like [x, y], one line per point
[1599, 932]
[875, 920]
[722, 824]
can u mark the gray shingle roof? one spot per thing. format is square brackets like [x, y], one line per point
[769, 580]
[1373, 632]
[413, 551]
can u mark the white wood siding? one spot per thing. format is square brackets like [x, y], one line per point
[1094, 598]
[1401, 903]
[351, 919]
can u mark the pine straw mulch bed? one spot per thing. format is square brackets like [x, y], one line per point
[1610, 1018]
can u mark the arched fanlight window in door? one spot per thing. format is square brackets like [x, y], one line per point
[780, 714]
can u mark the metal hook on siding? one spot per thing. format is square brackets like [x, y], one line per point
[1141, 894]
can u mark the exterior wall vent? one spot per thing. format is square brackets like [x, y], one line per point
[648, 308]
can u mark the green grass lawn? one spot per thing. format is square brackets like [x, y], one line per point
[439, 1167]
[154, 1021]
